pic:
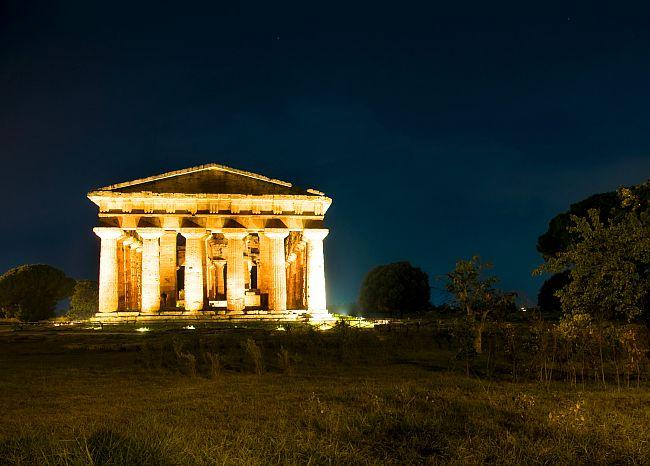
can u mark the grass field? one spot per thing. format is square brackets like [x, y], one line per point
[117, 396]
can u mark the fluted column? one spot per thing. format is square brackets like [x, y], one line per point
[263, 266]
[150, 270]
[248, 269]
[108, 271]
[219, 265]
[194, 251]
[136, 264]
[126, 270]
[316, 294]
[277, 270]
[235, 271]
[168, 268]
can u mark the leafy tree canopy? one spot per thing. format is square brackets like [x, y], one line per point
[559, 236]
[30, 292]
[609, 264]
[474, 290]
[85, 299]
[395, 288]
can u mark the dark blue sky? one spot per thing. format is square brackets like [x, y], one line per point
[439, 131]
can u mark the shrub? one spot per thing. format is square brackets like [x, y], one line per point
[284, 361]
[84, 302]
[395, 288]
[30, 292]
[254, 353]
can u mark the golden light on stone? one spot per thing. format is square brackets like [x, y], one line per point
[210, 241]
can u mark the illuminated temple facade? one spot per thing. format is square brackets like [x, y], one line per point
[210, 241]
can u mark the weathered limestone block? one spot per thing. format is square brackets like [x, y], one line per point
[150, 280]
[316, 294]
[194, 252]
[277, 286]
[235, 289]
[108, 268]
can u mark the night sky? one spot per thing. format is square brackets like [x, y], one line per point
[439, 131]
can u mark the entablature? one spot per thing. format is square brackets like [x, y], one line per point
[214, 223]
[165, 203]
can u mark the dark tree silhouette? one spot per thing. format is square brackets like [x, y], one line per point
[558, 238]
[549, 304]
[30, 292]
[85, 299]
[395, 288]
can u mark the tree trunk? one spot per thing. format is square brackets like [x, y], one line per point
[478, 339]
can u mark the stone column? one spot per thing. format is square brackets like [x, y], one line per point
[194, 269]
[291, 282]
[120, 276]
[212, 280]
[263, 267]
[108, 271]
[248, 269]
[219, 265]
[150, 269]
[136, 251]
[316, 294]
[168, 267]
[126, 271]
[277, 270]
[235, 270]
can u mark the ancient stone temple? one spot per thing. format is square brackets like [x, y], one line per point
[210, 241]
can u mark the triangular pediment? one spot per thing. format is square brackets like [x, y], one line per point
[210, 179]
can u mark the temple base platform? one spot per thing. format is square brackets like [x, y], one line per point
[214, 315]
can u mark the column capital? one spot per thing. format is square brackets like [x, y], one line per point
[108, 232]
[275, 233]
[315, 233]
[235, 233]
[219, 262]
[194, 233]
[150, 233]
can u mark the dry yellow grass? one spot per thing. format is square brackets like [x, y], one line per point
[81, 398]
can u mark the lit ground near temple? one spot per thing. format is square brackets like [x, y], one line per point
[117, 396]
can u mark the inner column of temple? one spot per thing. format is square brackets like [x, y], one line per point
[220, 264]
[126, 270]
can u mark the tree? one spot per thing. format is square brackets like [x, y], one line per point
[395, 288]
[611, 206]
[547, 300]
[609, 265]
[30, 292]
[85, 300]
[475, 293]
